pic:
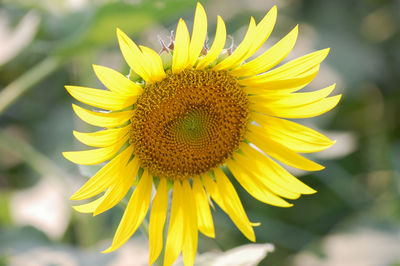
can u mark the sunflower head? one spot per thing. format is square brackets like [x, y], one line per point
[189, 123]
[188, 116]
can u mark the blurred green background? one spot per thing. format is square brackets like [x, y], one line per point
[354, 219]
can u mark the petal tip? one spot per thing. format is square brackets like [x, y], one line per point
[335, 100]
[96, 67]
[66, 154]
[79, 209]
[253, 237]
[199, 6]
[312, 191]
[255, 224]
[74, 197]
[110, 249]
[122, 36]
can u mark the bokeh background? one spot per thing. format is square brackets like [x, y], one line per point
[354, 219]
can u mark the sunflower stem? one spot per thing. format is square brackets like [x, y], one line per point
[22, 84]
[144, 227]
[39, 162]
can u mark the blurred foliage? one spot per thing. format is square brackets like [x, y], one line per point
[358, 189]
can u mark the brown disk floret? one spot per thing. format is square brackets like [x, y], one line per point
[189, 123]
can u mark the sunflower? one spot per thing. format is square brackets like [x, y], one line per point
[189, 118]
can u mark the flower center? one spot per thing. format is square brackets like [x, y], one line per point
[189, 123]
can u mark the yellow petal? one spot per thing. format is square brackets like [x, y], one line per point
[255, 188]
[293, 135]
[271, 168]
[204, 217]
[113, 119]
[134, 212]
[121, 186]
[315, 109]
[241, 51]
[102, 138]
[261, 181]
[280, 152]
[213, 191]
[133, 56]
[157, 220]
[180, 58]
[217, 46]
[199, 34]
[104, 178]
[154, 62]
[89, 207]
[294, 99]
[260, 86]
[189, 247]
[95, 156]
[101, 98]
[176, 228]
[298, 65]
[300, 111]
[270, 58]
[263, 30]
[116, 82]
[233, 204]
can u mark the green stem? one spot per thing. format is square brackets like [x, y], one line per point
[26, 152]
[144, 227]
[22, 84]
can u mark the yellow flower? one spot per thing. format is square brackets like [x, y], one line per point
[188, 120]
